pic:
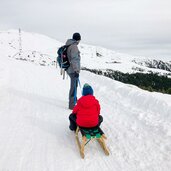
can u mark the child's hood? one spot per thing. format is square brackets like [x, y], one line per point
[87, 101]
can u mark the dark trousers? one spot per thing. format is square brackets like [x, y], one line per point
[73, 124]
[73, 90]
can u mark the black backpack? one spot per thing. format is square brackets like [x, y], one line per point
[62, 57]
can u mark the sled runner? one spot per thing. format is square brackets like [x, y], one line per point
[87, 135]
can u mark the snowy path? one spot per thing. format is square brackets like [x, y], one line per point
[34, 134]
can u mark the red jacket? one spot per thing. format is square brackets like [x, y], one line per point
[87, 111]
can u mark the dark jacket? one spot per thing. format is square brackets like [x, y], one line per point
[73, 56]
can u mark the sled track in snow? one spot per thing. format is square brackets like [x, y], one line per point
[34, 124]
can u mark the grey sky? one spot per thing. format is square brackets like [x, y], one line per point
[138, 27]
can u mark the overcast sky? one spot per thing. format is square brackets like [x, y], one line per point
[138, 27]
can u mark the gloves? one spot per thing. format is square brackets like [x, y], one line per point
[76, 74]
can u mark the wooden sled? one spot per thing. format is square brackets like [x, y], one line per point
[87, 135]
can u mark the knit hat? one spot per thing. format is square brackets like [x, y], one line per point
[87, 90]
[76, 36]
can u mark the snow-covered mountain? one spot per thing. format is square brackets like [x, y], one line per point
[41, 49]
[34, 133]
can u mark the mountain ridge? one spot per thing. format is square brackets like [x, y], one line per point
[41, 49]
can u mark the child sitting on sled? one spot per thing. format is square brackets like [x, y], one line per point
[86, 113]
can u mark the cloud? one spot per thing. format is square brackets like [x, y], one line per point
[122, 24]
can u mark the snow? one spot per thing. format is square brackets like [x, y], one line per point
[34, 133]
[41, 48]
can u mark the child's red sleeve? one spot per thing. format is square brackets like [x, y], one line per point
[98, 107]
[75, 109]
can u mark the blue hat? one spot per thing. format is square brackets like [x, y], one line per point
[87, 90]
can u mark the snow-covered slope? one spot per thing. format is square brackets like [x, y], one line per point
[41, 50]
[36, 48]
[34, 134]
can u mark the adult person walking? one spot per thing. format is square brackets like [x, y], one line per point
[73, 71]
